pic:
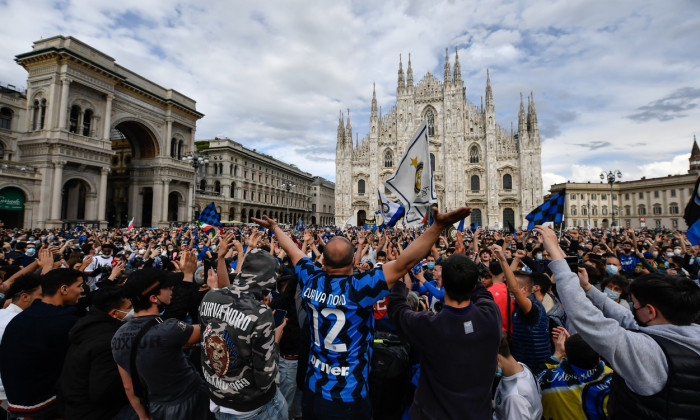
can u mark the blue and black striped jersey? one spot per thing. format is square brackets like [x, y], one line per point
[342, 329]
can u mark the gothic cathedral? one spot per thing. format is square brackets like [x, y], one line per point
[476, 162]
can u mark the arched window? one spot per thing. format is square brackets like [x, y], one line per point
[173, 147]
[475, 183]
[233, 190]
[642, 210]
[235, 170]
[361, 186]
[2, 151]
[221, 169]
[5, 118]
[217, 187]
[673, 208]
[388, 159]
[432, 163]
[73, 119]
[594, 211]
[573, 211]
[431, 122]
[476, 217]
[42, 115]
[507, 182]
[657, 209]
[203, 185]
[605, 210]
[180, 145]
[584, 211]
[87, 122]
[474, 155]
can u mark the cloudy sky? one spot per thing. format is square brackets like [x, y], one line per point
[616, 84]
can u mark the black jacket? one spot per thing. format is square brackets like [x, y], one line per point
[90, 386]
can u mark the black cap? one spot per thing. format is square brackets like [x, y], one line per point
[146, 282]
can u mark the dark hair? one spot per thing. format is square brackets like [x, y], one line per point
[503, 347]
[339, 258]
[524, 279]
[107, 298]
[677, 298]
[495, 268]
[543, 281]
[27, 283]
[594, 275]
[459, 277]
[617, 280]
[381, 254]
[54, 279]
[580, 354]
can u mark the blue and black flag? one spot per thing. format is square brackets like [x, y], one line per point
[551, 211]
[692, 215]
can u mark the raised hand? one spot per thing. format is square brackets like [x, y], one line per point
[265, 222]
[497, 252]
[225, 243]
[445, 219]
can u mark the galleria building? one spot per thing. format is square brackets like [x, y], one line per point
[91, 142]
[476, 162]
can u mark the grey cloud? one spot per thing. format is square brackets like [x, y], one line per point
[675, 105]
[594, 145]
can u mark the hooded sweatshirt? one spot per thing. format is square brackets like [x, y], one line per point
[90, 386]
[239, 356]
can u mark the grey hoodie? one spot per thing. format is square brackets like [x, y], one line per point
[610, 329]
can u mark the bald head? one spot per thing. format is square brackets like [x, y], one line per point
[338, 253]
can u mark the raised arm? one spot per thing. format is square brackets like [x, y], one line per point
[513, 286]
[419, 248]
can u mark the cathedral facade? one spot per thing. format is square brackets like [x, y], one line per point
[475, 161]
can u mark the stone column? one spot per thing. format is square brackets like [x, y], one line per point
[134, 207]
[187, 217]
[102, 195]
[168, 136]
[166, 193]
[157, 206]
[63, 110]
[57, 189]
[107, 129]
[90, 207]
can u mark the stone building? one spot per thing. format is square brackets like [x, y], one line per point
[646, 202]
[244, 183]
[92, 142]
[475, 161]
[323, 202]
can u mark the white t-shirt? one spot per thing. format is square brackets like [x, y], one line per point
[98, 261]
[518, 397]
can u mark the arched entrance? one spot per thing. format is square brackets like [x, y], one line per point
[361, 217]
[508, 220]
[605, 223]
[134, 145]
[244, 215]
[173, 206]
[12, 207]
[74, 194]
[313, 220]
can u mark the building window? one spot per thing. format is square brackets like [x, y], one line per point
[476, 217]
[173, 147]
[180, 146]
[674, 223]
[614, 197]
[674, 209]
[73, 119]
[87, 123]
[361, 186]
[594, 211]
[593, 196]
[233, 190]
[474, 155]
[573, 211]
[656, 194]
[388, 159]
[431, 122]
[507, 182]
[605, 210]
[217, 187]
[657, 209]
[628, 211]
[641, 194]
[657, 222]
[583, 196]
[202, 185]
[584, 211]
[432, 163]
[641, 210]
[5, 118]
[673, 193]
[627, 196]
[572, 196]
[475, 183]
[603, 196]
[245, 194]
[508, 219]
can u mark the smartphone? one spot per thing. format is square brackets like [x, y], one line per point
[572, 262]
[280, 314]
[207, 266]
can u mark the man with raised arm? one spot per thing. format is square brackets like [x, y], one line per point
[654, 350]
[339, 307]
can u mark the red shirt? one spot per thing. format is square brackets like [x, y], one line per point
[500, 296]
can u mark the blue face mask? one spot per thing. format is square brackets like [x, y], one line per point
[611, 269]
[539, 257]
[31, 251]
[431, 265]
[612, 294]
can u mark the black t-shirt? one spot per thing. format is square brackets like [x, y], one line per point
[160, 361]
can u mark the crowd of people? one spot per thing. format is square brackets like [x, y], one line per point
[424, 323]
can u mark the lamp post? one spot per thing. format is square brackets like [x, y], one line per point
[288, 186]
[611, 180]
[196, 160]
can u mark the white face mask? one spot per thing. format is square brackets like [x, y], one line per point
[213, 247]
[677, 252]
[612, 294]
[669, 254]
[655, 254]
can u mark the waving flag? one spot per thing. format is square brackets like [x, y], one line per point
[210, 220]
[391, 212]
[413, 180]
[299, 227]
[692, 215]
[131, 224]
[551, 210]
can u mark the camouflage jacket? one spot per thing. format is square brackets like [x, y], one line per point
[239, 356]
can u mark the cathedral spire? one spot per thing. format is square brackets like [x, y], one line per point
[374, 101]
[409, 73]
[401, 85]
[458, 70]
[532, 109]
[694, 157]
[522, 121]
[489, 93]
[341, 129]
[348, 128]
[448, 72]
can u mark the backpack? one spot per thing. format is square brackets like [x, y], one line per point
[390, 358]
